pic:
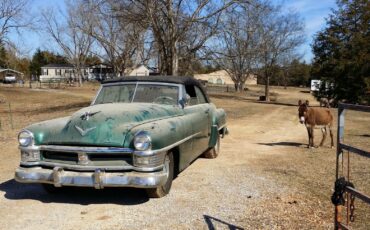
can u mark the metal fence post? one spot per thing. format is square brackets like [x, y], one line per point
[348, 189]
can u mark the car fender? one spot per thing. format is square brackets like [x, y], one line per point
[218, 126]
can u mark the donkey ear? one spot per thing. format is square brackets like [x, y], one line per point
[307, 103]
[299, 102]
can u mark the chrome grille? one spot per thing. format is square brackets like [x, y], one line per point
[97, 159]
[59, 156]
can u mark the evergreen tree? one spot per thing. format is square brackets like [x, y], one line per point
[38, 60]
[3, 56]
[342, 53]
[299, 73]
[41, 58]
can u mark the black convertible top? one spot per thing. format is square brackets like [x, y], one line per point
[185, 80]
[169, 79]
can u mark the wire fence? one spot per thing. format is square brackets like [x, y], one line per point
[50, 83]
[213, 88]
[6, 116]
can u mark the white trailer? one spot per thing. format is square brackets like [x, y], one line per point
[315, 85]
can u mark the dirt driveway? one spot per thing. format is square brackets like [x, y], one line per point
[265, 177]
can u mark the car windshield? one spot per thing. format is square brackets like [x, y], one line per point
[143, 93]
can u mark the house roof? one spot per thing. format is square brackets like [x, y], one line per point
[10, 70]
[57, 66]
[70, 66]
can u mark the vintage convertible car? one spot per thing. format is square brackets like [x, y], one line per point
[138, 132]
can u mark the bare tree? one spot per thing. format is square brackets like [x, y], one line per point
[280, 34]
[172, 23]
[12, 17]
[236, 48]
[256, 36]
[121, 40]
[74, 43]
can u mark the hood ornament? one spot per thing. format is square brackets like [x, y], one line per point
[87, 115]
[84, 132]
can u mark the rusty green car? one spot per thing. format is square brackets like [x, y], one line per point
[138, 132]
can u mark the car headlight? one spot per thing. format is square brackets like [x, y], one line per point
[25, 138]
[142, 141]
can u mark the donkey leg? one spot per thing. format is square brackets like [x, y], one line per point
[309, 138]
[324, 133]
[312, 138]
[331, 137]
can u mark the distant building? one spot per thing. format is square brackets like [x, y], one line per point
[100, 72]
[10, 75]
[55, 72]
[221, 77]
[140, 70]
[315, 85]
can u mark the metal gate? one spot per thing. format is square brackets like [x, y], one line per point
[344, 191]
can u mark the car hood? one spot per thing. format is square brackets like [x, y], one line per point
[100, 125]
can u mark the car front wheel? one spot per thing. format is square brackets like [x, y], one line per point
[164, 189]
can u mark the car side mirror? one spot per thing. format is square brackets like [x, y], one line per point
[184, 101]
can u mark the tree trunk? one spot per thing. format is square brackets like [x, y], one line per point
[175, 60]
[79, 78]
[267, 88]
[79, 71]
[241, 86]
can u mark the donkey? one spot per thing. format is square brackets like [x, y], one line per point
[319, 118]
[324, 102]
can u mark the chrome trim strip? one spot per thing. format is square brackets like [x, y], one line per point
[165, 149]
[134, 94]
[76, 149]
[98, 179]
[103, 149]
[91, 167]
[221, 127]
[141, 83]
[96, 95]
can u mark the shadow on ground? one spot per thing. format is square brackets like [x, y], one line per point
[242, 98]
[284, 143]
[73, 195]
[213, 222]
[276, 103]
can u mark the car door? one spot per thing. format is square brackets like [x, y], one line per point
[204, 109]
[199, 111]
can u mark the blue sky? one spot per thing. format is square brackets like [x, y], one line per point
[313, 12]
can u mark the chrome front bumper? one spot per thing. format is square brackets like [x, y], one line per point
[97, 179]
